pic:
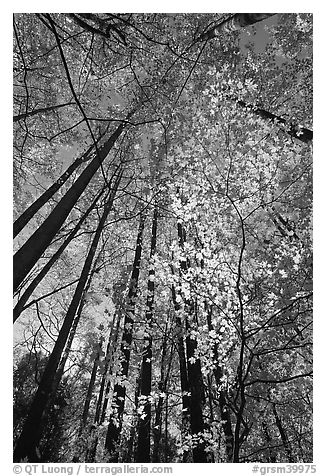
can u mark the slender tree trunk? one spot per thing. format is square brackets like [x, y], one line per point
[109, 373]
[195, 378]
[27, 256]
[157, 429]
[285, 228]
[46, 268]
[144, 423]
[26, 446]
[115, 423]
[93, 437]
[235, 22]
[298, 132]
[184, 382]
[108, 358]
[91, 384]
[28, 214]
[64, 358]
[129, 454]
[196, 400]
[283, 435]
[272, 456]
[19, 117]
[222, 398]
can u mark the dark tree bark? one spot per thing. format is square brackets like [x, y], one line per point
[271, 451]
[64, 358]
[235, 22]
[144, 423]
[111, 346]
[26, 446]
[222, 398]
[301, 133]
[27, 256]
[283, 435]
[128, 453]
[91, 384]
[195, 378]
[19, 117]
[184, 382]
[93, 435]
[28, 214]
[46, 268]
[283, 225]
[162, 387]
[114, 428]
[107, 380]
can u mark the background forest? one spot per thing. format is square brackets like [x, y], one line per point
[163, 255]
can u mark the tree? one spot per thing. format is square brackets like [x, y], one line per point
[115, 423]
[144, 422]
[27, 443]
[163, 267]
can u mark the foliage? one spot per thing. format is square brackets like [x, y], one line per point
[232, 269]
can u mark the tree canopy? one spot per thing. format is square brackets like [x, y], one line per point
[163, 248]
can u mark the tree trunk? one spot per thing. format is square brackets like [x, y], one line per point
[27, 256]
[195, 379]
[157, 429]
[114, 428]
[283, 435]
[272, 455]
[91, 384]
[184, 383]
[144, 423]
[28, 214]
[64, 358]
[46, 268]
[107, 379]
[93, 437]
[235, 22]
[26, 446]
[298, 132]
[222, 398]
[19, 117]
[108, 358]
[128, 454]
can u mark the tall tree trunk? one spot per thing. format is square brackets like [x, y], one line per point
[283, 435]
[93, 434]
[91, 384]
[157, 429]
[29, 438]
[115, 423]
[61, 367]
[28, 214]
[128, 455]
[109, 376]
[46, 268]
[194, 368]
[144, 422]
[184, 382]
[298, 132]
[94, 437]
[222, 397]
[108, 361]
[27, 256]
[41, 110]
[272, 455]
[235, 22]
